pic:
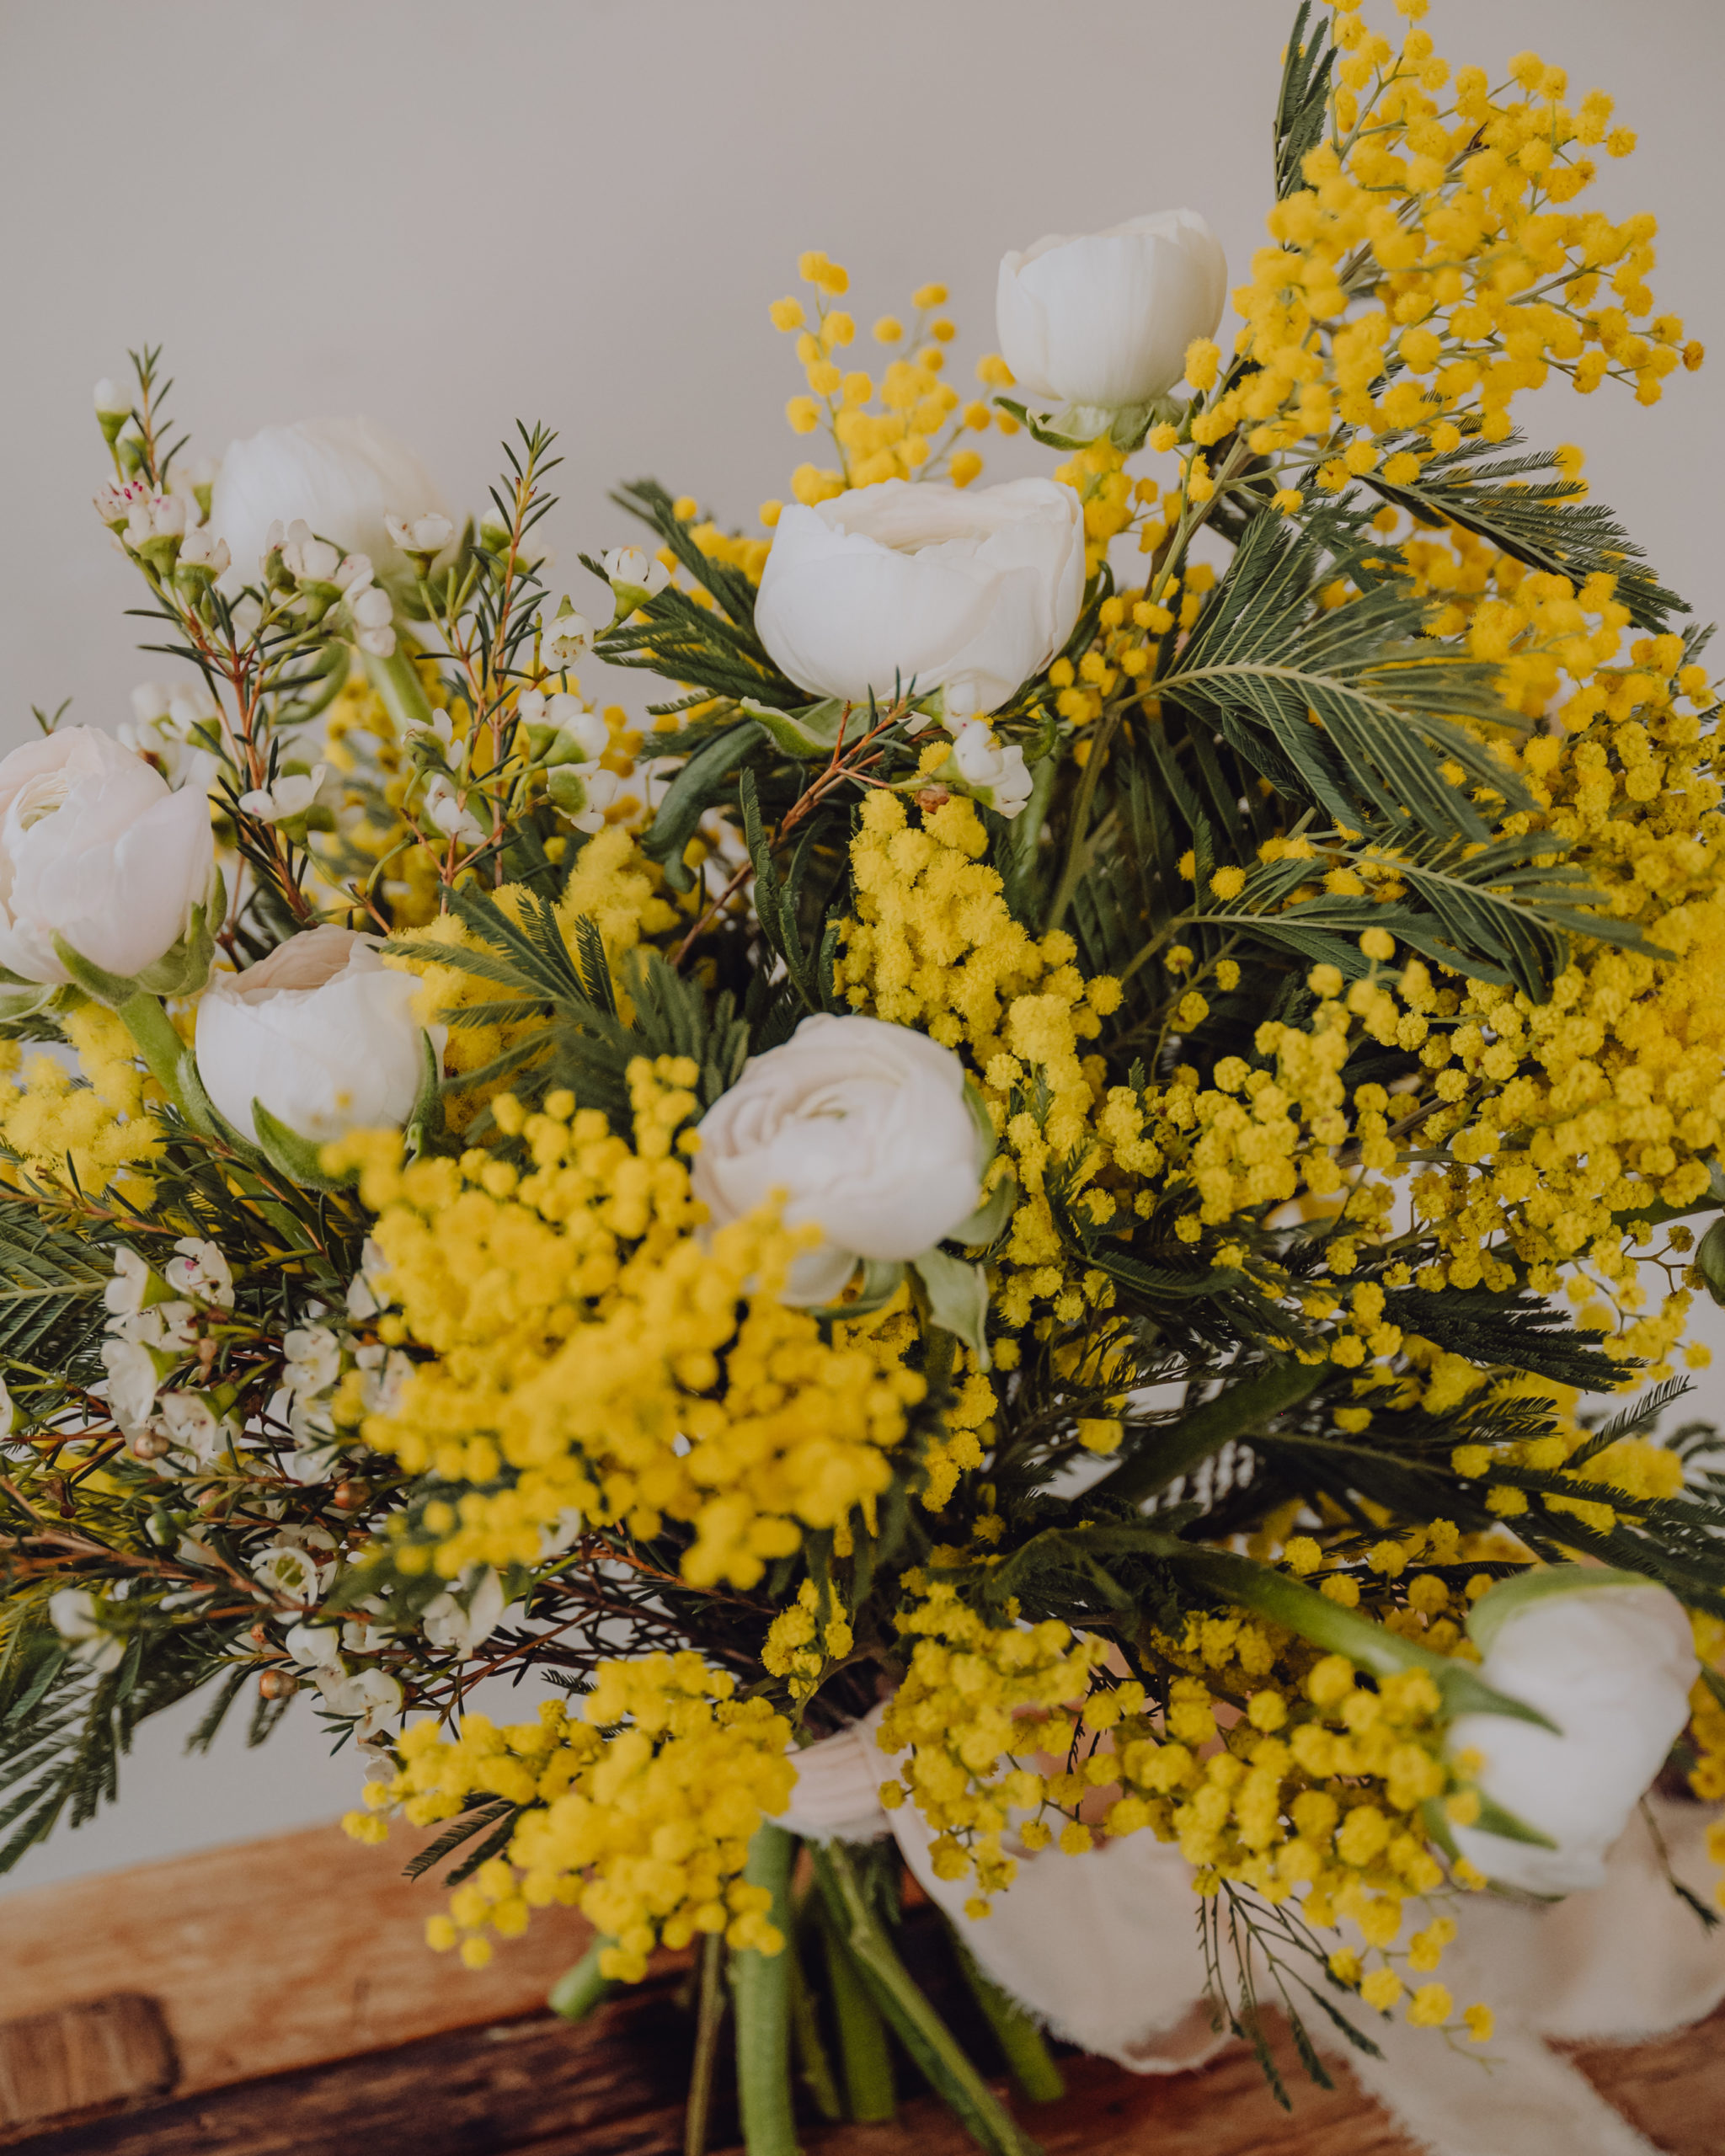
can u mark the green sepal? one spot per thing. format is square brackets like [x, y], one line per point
[1077, 426]
[881, 1280]
[811, 734]
[181, 970]
[980, 1228]
[1538, 1583]
[566, 790]
[1492, 1819]
[957, 1300]
[32, 1000]
[301, 1159]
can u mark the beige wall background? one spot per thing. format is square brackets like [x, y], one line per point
[451, 215]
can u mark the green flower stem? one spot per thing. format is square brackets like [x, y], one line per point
[919, 2028]
[814, 2067]
[397, 681]
[581, 1990]
[709, 2019]
[762, 1985]
[1028, 2059]
[864, 2057]
[161, 1049]
[1368, 1645]
[1231, 1414]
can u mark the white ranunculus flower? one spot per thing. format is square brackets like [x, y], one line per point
[95, 849]
[863, 1129]
[970, 591]
[1611, 1666]
[343, 477]
[321, 1032]
[1104, 320]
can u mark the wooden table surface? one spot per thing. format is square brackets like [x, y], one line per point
[277, 1998]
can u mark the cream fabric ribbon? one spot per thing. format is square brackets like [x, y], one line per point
[1102, 1949]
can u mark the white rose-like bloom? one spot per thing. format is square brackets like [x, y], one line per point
[96, 849]
[1612, 1667]
[321, 1032]
[343, 477]
[862, 1129]
[1105, 319]
[970, 591]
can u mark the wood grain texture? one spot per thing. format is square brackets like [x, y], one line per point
[83, 2058]
[270, 1954]
[313, 2021]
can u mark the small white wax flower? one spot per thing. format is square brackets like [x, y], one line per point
[632, 571]
[132, 1381]
[292, 794]
[74, 1613]
[193, 1425]
[198, 1269]
[864, 1128]
[445, 809]
[312, 1359]
[202, 549]
[374, 621]
[996, 773]
[429, 534]
[284, 1569]
[448, 1625]
[568, 639]
[370, 1698]
[367, 1292]
[124, 1293]
[109, 401]
[894, 587]
[315, 1647]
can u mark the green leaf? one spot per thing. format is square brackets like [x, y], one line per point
[1265, 659]
[1175, 1449]
[1302, 102]
[691, 793]
[1530, 509]
[957, 1300]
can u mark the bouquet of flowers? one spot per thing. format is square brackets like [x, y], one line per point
[984, 1240]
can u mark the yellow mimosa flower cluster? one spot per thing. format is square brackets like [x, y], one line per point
[590, 1354]
[638, 1811]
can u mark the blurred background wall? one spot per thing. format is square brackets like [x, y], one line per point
[450, 216]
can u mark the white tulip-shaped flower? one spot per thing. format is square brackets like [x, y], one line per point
[860, 1126]
[321, 1032]
[95, 850]
[345, 478]
[1610, 1665]
[1104, 320]
[916, 588]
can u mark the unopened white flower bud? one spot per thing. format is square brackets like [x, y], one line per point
[109, 401]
